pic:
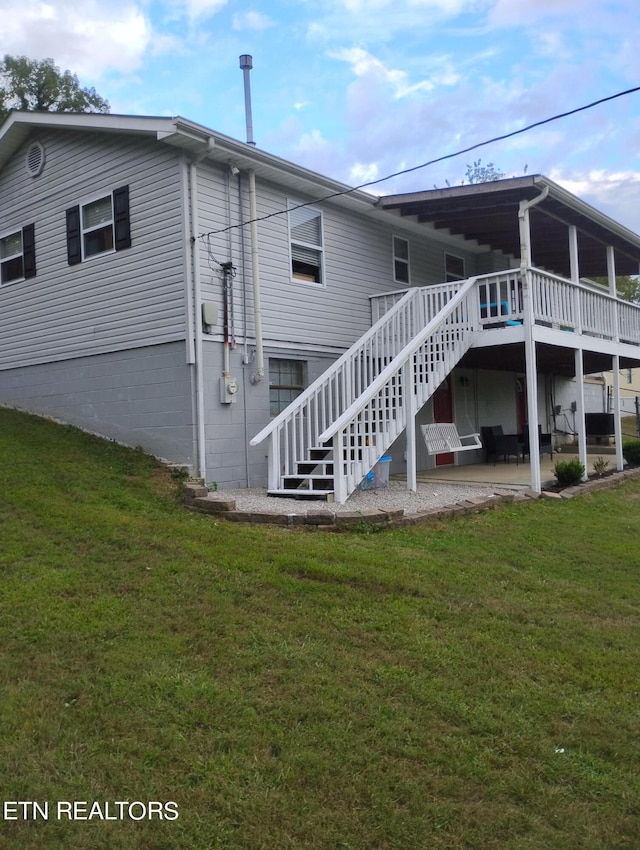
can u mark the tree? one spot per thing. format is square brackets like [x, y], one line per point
[628, 286]
[35, 86]
[478, 173]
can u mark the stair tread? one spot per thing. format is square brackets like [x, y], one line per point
[309, 476]
[318, 495]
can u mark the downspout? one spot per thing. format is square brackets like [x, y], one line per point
[197, 308]
[258, 375]
[525, 233]
[246, 358]
[246, 64]
[197, 298]
[529, 342]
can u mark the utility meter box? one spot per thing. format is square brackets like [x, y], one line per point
[228, 390]
[209, 315]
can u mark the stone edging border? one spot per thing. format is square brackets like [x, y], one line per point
[198, 498]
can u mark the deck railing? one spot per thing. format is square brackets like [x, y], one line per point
[499, 298]
[557, 303]
[373, 421]
[577, 307]
[360, 402]
[297, 428]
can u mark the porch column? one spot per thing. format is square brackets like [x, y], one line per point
[412, 476]
[532, 407]
[611, 274]
[617, 415]
[575, 273]
[582, 430]
[531, 366]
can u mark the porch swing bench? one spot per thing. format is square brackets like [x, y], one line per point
[443, 437]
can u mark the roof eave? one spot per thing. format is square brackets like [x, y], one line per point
[194, 139]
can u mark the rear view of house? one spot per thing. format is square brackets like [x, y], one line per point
[169, 287]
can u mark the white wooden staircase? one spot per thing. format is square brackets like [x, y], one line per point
[327, 440]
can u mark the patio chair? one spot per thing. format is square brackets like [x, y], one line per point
[545, 443]
[497, 444]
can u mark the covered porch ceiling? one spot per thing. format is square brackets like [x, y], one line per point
[551, 360]
[488, 214]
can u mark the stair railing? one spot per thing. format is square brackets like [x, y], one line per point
[297, 428]
[368, 427]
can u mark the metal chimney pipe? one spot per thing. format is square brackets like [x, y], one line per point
[246, 63]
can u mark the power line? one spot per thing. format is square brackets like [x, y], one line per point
[413, 168]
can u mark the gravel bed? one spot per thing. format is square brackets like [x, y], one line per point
[396, 495]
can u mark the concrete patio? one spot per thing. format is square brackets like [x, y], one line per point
[512, 475]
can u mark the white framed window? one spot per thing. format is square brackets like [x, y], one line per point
[305, 234]
[11, 257]
[453, 268]
[400, 259]
[98, 226]
[286, 382]
[17, 255]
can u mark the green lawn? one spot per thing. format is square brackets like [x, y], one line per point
[471, 684]
[629, 426]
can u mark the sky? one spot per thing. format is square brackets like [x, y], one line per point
[360, 89]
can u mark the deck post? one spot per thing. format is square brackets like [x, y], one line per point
[617, 413]
[339, 484]
[273, 463]
[412, 476]
[582, 428]
[532, 406]
[531, 365]
[575, 274]
[611, 272]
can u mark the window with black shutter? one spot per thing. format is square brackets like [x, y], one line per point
[99, 226]
[29, 250]
[74, 250]
[18, 255]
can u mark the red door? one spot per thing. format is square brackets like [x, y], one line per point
[443, 412]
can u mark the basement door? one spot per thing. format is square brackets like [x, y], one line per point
[443, 412]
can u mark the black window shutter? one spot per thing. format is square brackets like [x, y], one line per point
[121, 218]
[74, 249]
[29, 250]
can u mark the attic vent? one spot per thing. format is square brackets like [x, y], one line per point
[35, 159]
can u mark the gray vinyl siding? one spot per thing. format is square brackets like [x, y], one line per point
[129, 298]
[358, 263]
[357, 259]
[230, 461]
[140, 397]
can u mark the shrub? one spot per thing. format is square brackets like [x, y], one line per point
[600, 466]
[568, 472]
[631, 451]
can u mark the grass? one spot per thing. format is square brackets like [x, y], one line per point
[471, 684]
[629, 426]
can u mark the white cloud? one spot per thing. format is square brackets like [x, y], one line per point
[614, 192]
[361, 173]
[367, 22]
[448, 8]
[364, 64]
[85, 36]
[200, 9]
[312, 142]
[525, 12]
[251, 21]
[367, 67]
